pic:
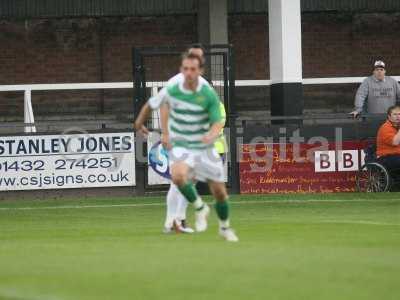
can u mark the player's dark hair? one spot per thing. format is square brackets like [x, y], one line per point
[188, 55]
[392, 108]
[196, 46]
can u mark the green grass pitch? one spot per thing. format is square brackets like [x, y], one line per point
[341, 246]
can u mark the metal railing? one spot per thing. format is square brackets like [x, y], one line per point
[29, 121]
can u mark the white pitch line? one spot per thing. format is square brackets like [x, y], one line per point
[361, 222]
[163, 204]
[8, 293]
[82, 206]
[272, 219]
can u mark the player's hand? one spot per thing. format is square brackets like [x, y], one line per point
[165, 141]
[354, 114]
[208, 139]
[141, 129]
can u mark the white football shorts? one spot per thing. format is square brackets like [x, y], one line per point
[204, 164]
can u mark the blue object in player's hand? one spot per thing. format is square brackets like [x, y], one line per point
[158, 160]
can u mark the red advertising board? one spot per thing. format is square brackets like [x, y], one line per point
[300, 168]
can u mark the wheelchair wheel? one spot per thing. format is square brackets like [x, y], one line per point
[373, 177]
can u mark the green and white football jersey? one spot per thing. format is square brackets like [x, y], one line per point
[156, 100]
[191, 114]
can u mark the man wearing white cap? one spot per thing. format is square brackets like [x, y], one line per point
[379, 90]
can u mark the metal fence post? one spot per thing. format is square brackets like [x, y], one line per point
[232, 116]
[28, 112]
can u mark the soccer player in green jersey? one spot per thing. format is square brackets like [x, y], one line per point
[176, 203]
[192, 124]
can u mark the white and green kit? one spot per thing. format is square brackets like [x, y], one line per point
[191, 116]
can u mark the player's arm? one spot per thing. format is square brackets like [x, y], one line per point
[164, 116]
[214, 114]
[213, 133]
[152, 104]
[223, 112]
[142, 118]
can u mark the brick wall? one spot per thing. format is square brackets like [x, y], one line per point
[95, 50]
[80, 50]
[347, 45]
[249, 35]
[333, 45]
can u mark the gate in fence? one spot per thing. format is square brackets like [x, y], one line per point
[152, 67]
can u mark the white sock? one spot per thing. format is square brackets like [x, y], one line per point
[172, 204]
[198, 203]
[224, 224]
[181, 207]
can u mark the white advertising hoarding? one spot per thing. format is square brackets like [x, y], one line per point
[67, 161]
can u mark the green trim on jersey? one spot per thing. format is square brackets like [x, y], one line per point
[188, 112]
[184, 122]
[186, 132]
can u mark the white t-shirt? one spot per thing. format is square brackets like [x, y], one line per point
[156, 101]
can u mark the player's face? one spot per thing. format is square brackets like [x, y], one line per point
[199, 52]
[379, 73]
[394, 117]
[190, 69]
